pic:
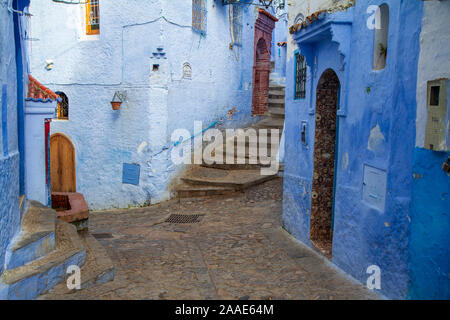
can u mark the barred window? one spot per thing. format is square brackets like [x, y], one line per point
[92, 17]
[63, 106]
[300, 76]
[199, 16]
[237, 24]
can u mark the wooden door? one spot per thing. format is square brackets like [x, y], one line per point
[261, 75]
[321, 231]
[62, 164]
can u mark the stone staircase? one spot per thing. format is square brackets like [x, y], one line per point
[37, 260]
[212, 179]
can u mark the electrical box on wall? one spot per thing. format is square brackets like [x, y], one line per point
[437, 134]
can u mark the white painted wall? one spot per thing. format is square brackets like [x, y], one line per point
[434, 61]
[89, 69]
[306, 7]
[35, 169]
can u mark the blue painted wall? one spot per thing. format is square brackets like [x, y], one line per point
[430, 239]
[429, 246]
[376, 128]
[89, 69]
[9, 146]
[279, 54]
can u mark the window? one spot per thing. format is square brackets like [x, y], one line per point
[380, 46]
[236, 17]
[63, 106]
[434, 95]
[92, 17]
[300, 76]
[199, 16]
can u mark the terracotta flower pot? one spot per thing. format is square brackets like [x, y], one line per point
[116, 105]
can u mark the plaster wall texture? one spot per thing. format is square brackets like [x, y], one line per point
[375, 128]
[35, 170]
[89, 69]
[429, 246]
[434, 57]
[306, 8]
[279, 54]
[9, 155]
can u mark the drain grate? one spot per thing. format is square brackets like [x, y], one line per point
[102, 235]
[184, 218]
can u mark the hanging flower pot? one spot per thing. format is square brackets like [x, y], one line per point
[116, 105]
[117, 100]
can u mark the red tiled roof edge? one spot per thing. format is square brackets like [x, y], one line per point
[38, 91]
[267, 14]
[308, 21]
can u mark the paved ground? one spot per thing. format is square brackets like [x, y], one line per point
[237, 251]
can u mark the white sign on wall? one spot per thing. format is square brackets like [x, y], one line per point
[374, 187]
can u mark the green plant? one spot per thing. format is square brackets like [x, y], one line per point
[383, 49]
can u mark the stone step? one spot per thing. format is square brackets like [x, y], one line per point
[97, 269]
[37, 237]
[39, 276]
[276, 93]
[269, 129]
[186, 190]
[246, 144]
[276, 102]
[276, 87]
[245, 154]
[234, 166]
[237, 179]
[272, 123]
[71, 207]
[245, 133]
[277, 112]
[276, 96]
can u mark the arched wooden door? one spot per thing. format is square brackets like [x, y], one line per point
[322, 197]
[261, 75]
[62, 164]
[264, 25]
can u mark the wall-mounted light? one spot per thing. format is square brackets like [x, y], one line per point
[117, 99]
[48, 65]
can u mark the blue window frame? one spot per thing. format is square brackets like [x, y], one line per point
[199, 16]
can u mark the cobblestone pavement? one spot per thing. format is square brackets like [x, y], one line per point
[237, 251]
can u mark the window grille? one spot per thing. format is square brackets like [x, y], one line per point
[300, 76]
[92, 17]
[237, 24]
[199, 16]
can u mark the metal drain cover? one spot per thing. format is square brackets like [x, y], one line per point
[102, 235]
[184, 218]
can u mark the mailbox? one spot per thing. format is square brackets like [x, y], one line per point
[437, 135]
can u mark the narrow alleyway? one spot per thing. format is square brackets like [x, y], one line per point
[238, 250]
